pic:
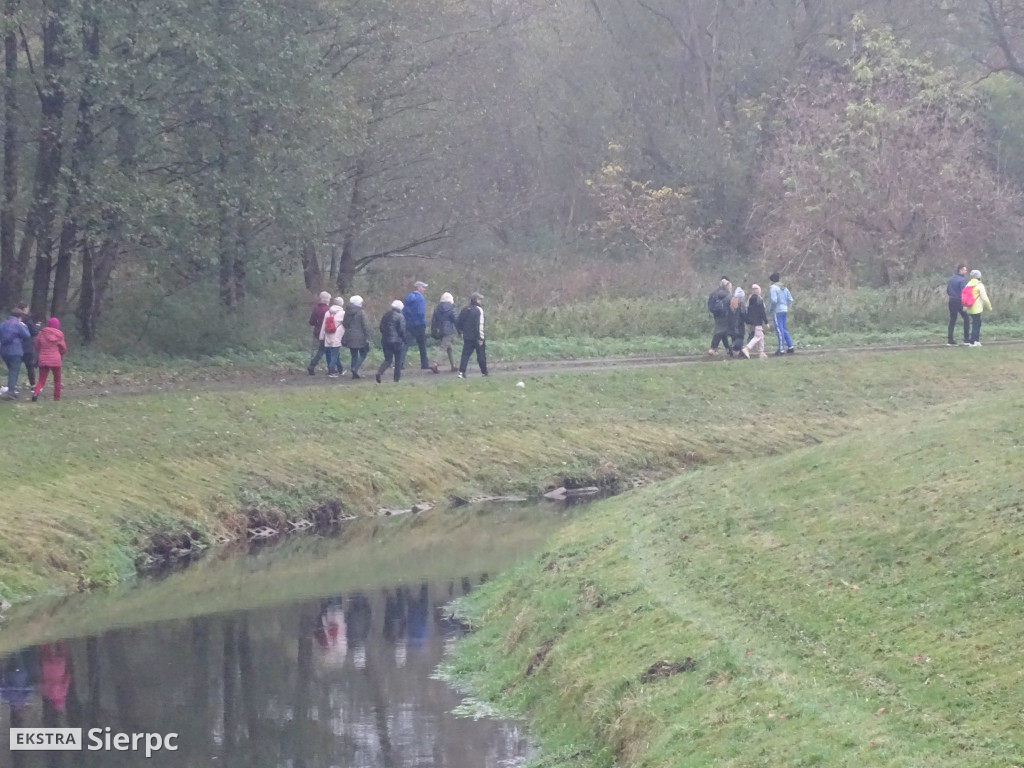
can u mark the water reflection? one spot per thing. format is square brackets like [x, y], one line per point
[342, 681]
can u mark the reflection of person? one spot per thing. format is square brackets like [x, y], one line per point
[54, 675]
[419, 614]
[330, 633]
[17, 682]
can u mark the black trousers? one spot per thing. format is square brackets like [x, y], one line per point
[975, 327]
[467, 352]
[394, 354]
[418, 336]
[956, 309]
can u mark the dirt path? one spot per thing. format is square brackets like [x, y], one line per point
[221, 379]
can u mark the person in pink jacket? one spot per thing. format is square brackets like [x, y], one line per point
[52, 348]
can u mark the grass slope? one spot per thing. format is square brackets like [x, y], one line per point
[91, 482]
[854, 603]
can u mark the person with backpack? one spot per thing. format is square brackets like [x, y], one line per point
[442, 329]
[392, 340]
[736, 321]
[779, 299]
[954, 290]
[52, 347]
[316, 319]
[415, 313]
[757, 318]
[975, 301]
[718, 306]
[356, 336]
[13, 335]
[331, 333]
[470, 325]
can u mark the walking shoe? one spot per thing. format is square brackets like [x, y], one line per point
[976, 344]
[356, 376]
[967, 343]
[764, 355]
[455, 369]
[780, 353]
[311, 370]
[791, 350]
[745, 353]
[433, 367]
[332, 375]
[462, 375]
[377, 377]
[952, 344]
[712, 352]
[35, 397]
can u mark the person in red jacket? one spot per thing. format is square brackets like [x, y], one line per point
[52, 348]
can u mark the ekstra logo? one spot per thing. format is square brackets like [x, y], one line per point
[96, 740]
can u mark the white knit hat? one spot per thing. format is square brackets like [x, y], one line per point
[397, 304]
[356, 301]
[739, 294]
[324, 297]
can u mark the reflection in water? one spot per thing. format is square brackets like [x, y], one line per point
[344, 681]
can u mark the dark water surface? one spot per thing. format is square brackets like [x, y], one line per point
[340, 679]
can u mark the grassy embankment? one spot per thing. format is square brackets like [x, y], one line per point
[851, 603]
[96, 480]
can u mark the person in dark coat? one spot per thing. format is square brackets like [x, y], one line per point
[30, 358]
[316, 319]
[720, 300]
[392, 340]
[954, 290]
[442, 328]
[14, 334]
[757, 319]
[736, 321]
[357, 335]
[470, 325]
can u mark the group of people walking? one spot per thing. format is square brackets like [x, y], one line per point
[25, 342]
[402, 326]
[733, 317]
[968, 299]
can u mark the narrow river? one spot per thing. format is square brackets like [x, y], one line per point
[275, 667]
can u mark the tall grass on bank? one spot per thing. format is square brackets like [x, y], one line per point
[853, 603]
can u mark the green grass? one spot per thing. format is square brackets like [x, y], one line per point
[854, 602]
[96, 479]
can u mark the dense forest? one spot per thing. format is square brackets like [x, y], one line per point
[222, 143]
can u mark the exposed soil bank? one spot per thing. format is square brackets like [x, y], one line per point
[97, 483]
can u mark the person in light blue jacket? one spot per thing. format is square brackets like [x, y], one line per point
[779, 299]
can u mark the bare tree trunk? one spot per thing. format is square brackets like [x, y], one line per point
[312, 273]
[10, 281]
[48, 161]
[353, 216]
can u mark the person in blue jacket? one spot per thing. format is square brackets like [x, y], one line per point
[415, 313]
[954, 289]
[13, 332]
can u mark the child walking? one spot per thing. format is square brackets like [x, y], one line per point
[52, 348]
[757, 318]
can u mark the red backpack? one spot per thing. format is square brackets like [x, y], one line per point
[967, 297]
[330, 326]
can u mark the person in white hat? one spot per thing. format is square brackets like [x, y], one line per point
[392, 340]
[316, 319]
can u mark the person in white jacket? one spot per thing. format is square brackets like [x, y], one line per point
[331, 332]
